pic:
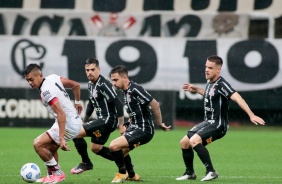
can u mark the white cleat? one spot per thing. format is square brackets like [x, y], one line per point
[210, 176]
[187, 176]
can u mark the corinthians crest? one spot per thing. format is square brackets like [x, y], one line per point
[112, 28]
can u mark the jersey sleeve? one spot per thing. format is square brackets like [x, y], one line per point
[108, 91]
[48, 97]
[226, 90]
[142, 95]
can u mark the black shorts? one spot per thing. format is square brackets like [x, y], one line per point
[208, 132]
[136, 137]
[99, 131]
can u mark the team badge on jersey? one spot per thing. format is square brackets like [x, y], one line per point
[211, 93]
[94, 93]
[128, 98]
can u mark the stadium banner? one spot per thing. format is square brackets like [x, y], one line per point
[156, 24]
[161, 66]
[258, 7]
[157, 64]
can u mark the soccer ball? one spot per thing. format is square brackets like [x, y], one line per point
[30, 172]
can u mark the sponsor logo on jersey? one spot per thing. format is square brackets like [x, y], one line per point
[224, 91]
[211, 121]
[98, 109]
[105, 95]
[209, 109]
[132, 114]
[140, 100]
[46, 93]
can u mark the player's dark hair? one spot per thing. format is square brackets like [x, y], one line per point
[120, 69]
[92, 61]
[29, 68]
[216, 59]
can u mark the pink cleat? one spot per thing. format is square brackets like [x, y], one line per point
[55, 178]
[43, 179]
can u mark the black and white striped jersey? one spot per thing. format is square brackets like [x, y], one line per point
[136, 101]
[216, 101]
[102, 95]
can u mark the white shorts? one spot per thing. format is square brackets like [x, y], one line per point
[72, 130]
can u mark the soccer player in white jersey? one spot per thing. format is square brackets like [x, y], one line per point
[67, 123]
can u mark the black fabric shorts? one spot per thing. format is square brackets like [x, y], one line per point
[208, 132]
[136, 137]
[99, 131]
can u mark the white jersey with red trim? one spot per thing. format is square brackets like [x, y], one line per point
[52, 90]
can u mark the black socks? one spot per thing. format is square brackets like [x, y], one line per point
[119, 160]
[188, 157]
[204, 155]
[81, 147]
[129, 166]
[106, 153]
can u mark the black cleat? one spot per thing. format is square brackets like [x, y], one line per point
[82, 167]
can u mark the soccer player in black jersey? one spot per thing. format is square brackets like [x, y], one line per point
[141, 128]
[217, 95]
[109, 111]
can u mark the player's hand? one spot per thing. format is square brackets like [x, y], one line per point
[189, 87]
[63, 145]
[122, 129]
[78, 108]
[164, 127]
[257, 120]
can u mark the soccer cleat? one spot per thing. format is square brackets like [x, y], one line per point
[187, 176]
[210, 176]
[82, 167]
[136, 177]
[120, 178]
[43, 179]
[53, 179]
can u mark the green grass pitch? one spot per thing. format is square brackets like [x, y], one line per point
[246, 155]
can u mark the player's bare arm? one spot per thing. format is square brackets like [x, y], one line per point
[193, 89]
[67, 83]
[122, 128]
[61, 117]
[236, 97]
[155, 106]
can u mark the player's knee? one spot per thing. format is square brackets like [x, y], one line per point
[113, 147]
[96, 148]
[194, 140]
[36, 144]
[184, 143]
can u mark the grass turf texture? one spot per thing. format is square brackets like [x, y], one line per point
[245, 155]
